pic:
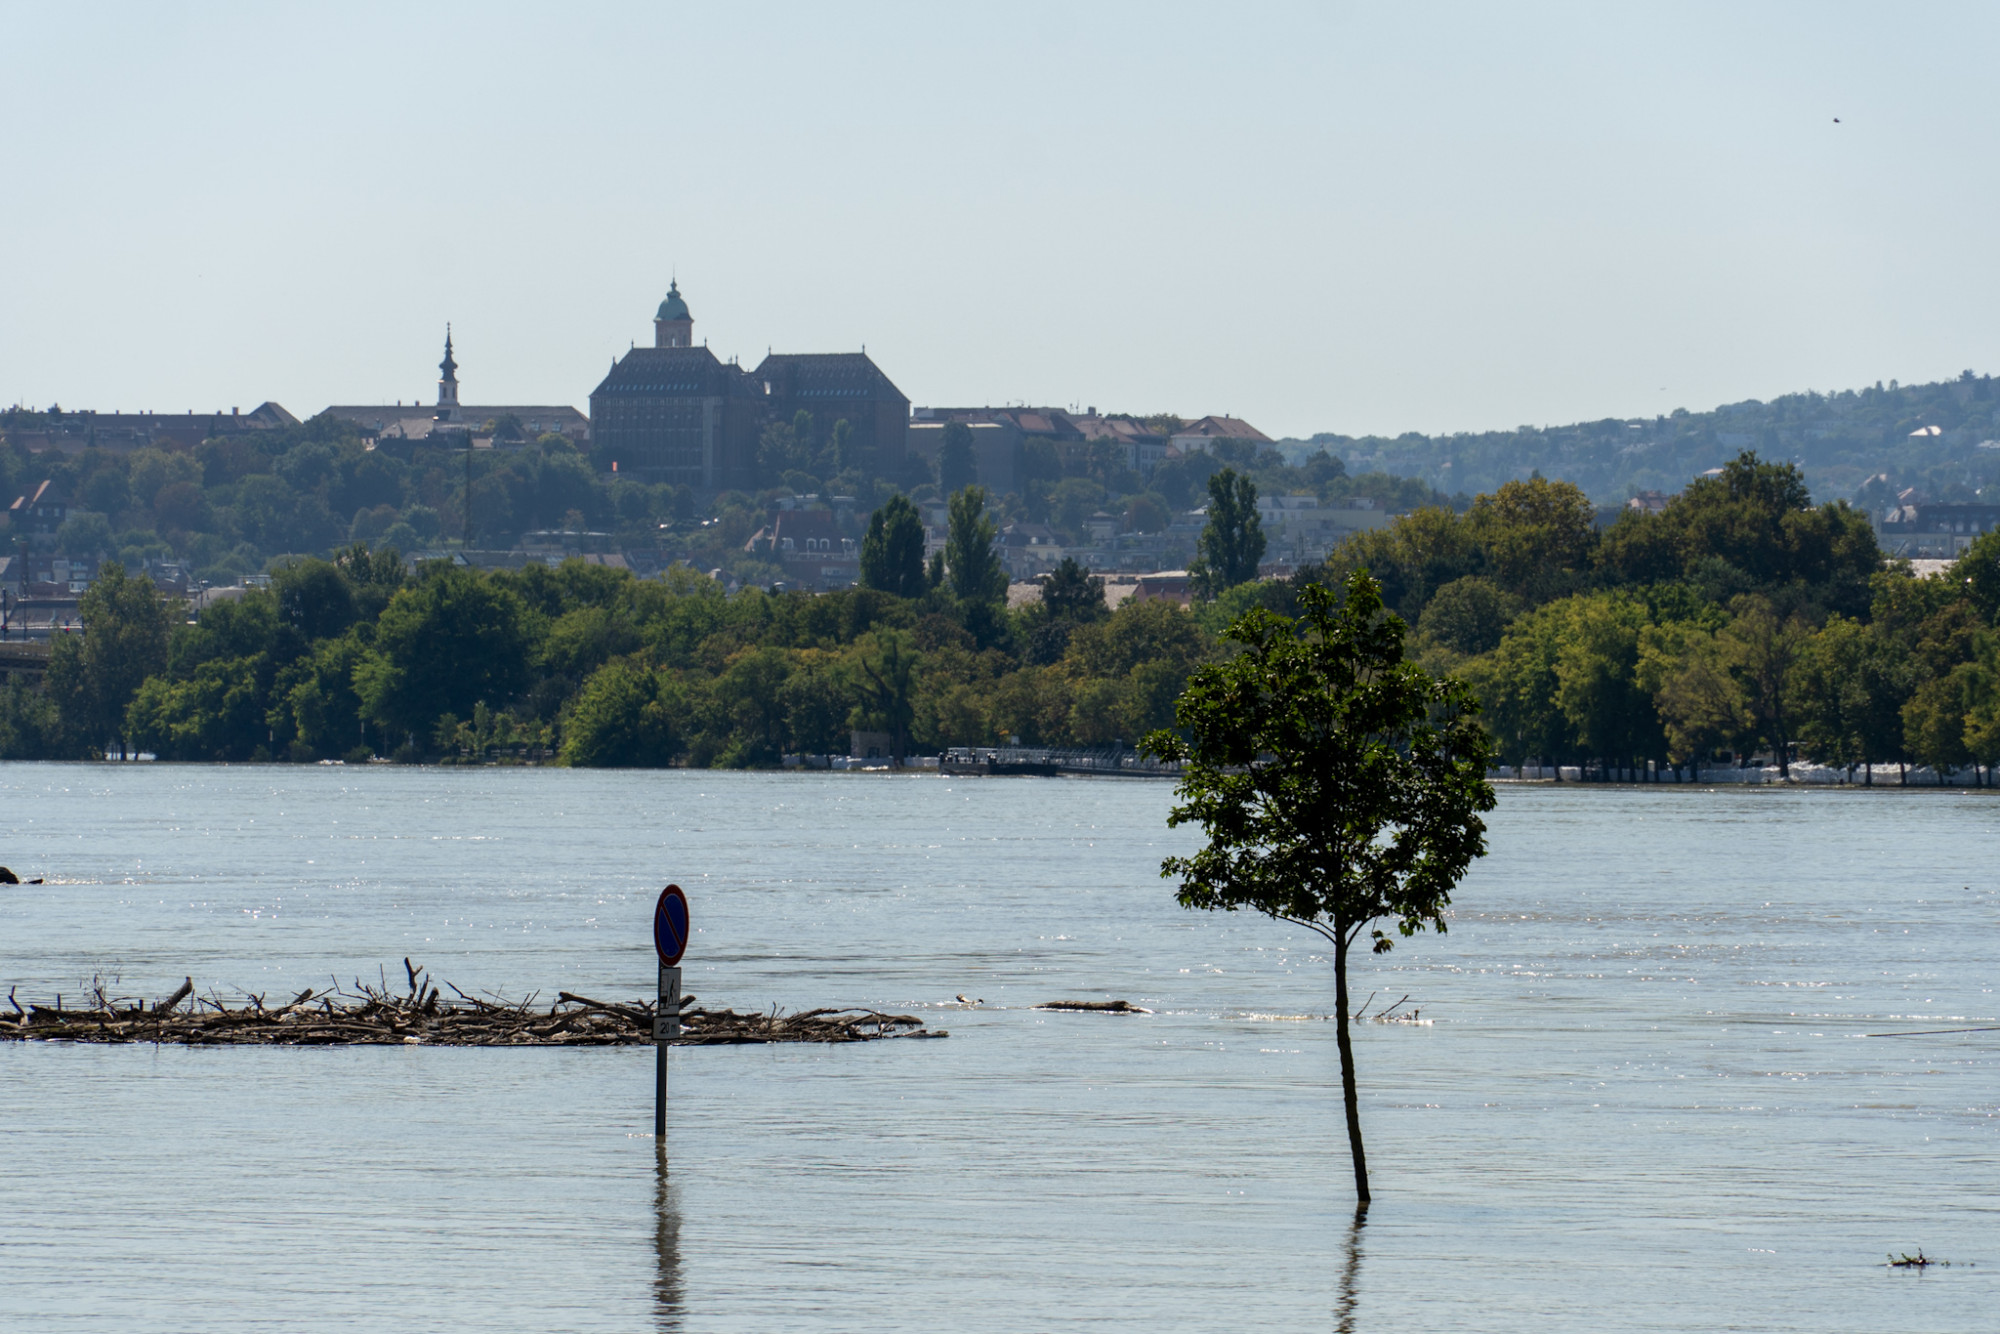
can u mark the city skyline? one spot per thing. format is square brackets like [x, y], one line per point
[1316, 220]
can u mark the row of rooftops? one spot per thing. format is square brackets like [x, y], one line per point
[1065, 424]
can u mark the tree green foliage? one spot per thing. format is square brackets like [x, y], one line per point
[1754, 527]
[971, 565]
[1147, 513]
[1848, 696]
[235, 505]
[786, 447]
[957, 466]
[1072, 593]
[1468, 615]
[591, 666]
[892, 552]
[886, 684]
[1071, 597]
[452, 641]
[629, 715]
[1842, 440]
[1336, 782]
[315, 701]
[1764, 647]
[1743, 620]
[1534, 537]
[1233, 542]
[240, 504]
[31, 726]
[93, 677]
[1413, 557]
[211, 714]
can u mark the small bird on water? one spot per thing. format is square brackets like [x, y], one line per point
[964, 999]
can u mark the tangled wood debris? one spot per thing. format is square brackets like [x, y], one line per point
[1093, 1007]
[374, 1015]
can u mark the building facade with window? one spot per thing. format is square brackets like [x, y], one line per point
[675, 412]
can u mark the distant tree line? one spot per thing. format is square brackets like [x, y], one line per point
[245, 503]
[1866, 445]
[357, 656]
[1743, 619]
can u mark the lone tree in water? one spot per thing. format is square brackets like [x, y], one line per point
[1339, 785]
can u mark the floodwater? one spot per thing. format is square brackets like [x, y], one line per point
[1644, 1099]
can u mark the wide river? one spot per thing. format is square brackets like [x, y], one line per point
[1646, 1097]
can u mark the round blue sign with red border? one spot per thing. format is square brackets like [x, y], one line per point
[670, 925]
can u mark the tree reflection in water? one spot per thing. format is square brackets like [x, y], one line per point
[1350, 1273]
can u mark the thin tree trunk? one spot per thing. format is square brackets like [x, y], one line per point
[1347, 1093]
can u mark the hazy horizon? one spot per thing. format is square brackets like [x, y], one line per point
[1315, 219]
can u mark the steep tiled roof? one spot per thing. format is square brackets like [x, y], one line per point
[670, 370]
[829, 375]
[1223, 428]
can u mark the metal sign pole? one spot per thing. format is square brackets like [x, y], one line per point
[670, 938]
[666, 1027]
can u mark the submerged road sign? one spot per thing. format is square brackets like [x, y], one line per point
[670, 925]
[670, 938]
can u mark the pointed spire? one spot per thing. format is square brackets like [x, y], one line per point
[447, 408]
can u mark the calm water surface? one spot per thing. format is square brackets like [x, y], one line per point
[1645, 1101]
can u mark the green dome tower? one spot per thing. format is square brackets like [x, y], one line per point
[673, 326]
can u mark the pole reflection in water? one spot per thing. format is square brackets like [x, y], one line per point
[1350, 1273]
[669, 1301]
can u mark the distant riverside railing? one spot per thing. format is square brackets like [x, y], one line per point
[1049, 761]
[1884, 775]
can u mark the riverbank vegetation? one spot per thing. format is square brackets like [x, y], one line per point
[1744, 618]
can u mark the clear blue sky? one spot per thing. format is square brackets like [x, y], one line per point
[1320, 217]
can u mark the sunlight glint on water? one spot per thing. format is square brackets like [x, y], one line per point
[1644, 1101]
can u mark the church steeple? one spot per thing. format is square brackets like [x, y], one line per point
[447, 408]
[673, 326]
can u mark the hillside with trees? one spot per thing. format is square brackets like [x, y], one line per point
[1942, 438]
[246, 503]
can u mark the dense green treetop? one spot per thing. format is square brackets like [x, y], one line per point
[892, 552]
[1232, 542]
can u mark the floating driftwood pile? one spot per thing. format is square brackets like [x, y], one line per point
[374, 1015]
[1093, 1007]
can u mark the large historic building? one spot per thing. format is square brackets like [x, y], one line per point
[674, 412]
